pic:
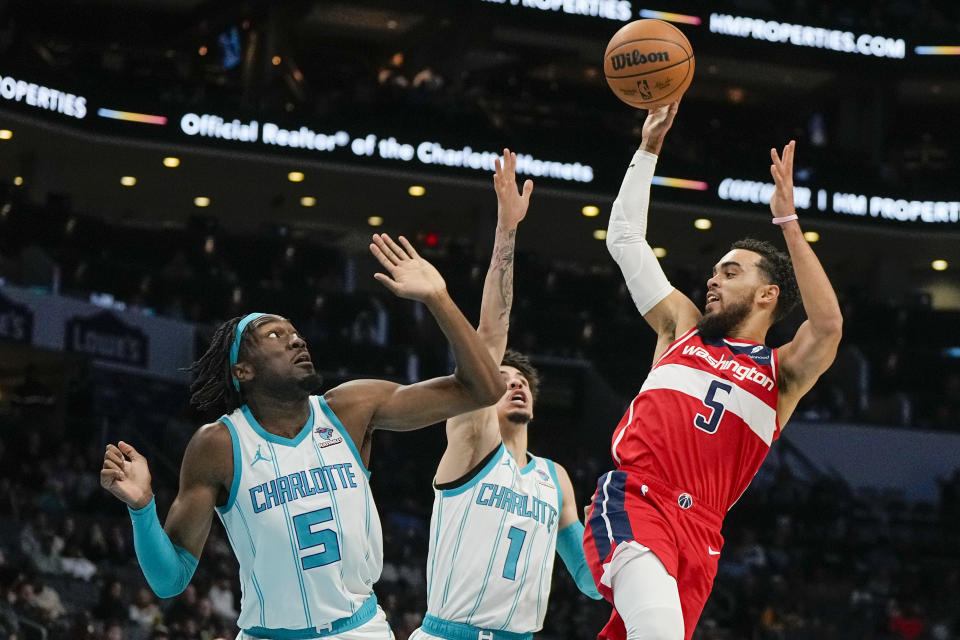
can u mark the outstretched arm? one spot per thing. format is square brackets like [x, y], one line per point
[378, 404]
[813, 349]
[666, 310]
[473, 435]
[498, 285]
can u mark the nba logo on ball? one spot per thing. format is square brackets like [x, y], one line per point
[685, 500]
[644, 90]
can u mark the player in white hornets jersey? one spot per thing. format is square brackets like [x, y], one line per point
[286, 471]
[500, 514]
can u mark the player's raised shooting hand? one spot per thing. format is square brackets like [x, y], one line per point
[126, 475]
[411, 276]
[781, 204]
[511, 204]
[655, 127]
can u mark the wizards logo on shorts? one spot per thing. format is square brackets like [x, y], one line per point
[326, 438]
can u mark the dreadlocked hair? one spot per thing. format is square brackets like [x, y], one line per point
[212, 390]
[778, 269]
[522, 364]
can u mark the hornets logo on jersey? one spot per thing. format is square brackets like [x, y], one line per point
[492, 545]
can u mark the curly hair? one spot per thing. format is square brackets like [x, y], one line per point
[522, 364]
[778, 269]
[212, 390]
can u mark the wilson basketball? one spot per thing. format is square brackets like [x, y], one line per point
[648, 63]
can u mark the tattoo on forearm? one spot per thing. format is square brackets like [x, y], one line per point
[503, 267]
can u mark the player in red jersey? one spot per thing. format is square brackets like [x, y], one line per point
[714, 401]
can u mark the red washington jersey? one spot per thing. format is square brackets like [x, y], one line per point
[704, 418]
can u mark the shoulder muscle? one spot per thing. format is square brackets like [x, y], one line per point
[208, 459]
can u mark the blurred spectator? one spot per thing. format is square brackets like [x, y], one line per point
[206, 621]
[39, 597]
[114, 631]
[184, 606]
[113, 603]
[221, 598]
[144, 610]
[160, 632]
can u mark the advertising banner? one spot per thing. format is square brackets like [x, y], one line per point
[572, 165]
[115, 339]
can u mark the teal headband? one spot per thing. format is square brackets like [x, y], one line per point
[235, 347]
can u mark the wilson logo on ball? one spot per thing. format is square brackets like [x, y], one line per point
[633, 58]
[648, 63]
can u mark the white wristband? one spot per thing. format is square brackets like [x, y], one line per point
[779, 221]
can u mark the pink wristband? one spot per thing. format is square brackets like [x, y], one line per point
[785, 219]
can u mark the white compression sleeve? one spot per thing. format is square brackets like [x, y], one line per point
[627, 235]
[645, 595]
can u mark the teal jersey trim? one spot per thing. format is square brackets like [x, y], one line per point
[543, 570]
[494, 461]
[362, 616]
[459, 631]
[436, 543]
[237, 465]
[336, 519]
[456, 550]
[368, 499]
[523, 580]
[556, 481]
[543, 594]
[493, 556]
[327, 411]
[294, 547]
[253, 574]
[526, 570]
[275, 439]
[530, 465]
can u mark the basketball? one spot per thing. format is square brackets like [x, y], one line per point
[648, 63]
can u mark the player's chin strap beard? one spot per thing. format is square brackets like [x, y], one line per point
[519, 417]
[284, 388]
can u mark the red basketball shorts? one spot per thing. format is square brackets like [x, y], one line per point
[684, 535]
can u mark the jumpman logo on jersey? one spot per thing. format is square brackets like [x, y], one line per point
[257, 458]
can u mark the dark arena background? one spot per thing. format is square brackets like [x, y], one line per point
[169, 164]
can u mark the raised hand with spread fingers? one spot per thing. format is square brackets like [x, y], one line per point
[411, 276]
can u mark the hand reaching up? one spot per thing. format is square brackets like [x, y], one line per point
[411, 276]
[511, 205]
[655, 127]
[781, 204]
